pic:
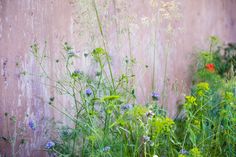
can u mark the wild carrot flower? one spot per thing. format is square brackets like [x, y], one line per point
[210, 67]
[88, 92]
[49, 145]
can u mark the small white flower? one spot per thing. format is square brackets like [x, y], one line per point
[155, 156]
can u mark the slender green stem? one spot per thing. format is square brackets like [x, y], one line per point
[104, 44]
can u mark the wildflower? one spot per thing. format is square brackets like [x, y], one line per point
[146, 138]
[195, 152]
[155, 156]
[190, 99]
[77, 71]
[49, 145]
[106, 149]
[210, 67]
[202, 88]
[150, 114]
[32, 125]
[168, 124]
[183, 152]
[155, 96]
[76, 74]
[88, 92]
[126, 107]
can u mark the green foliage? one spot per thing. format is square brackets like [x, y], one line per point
[106, 121]
[209, 123]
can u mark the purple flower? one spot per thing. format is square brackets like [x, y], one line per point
[77, 74]
[106, 149]
[155, 96]
[88, 92]
[146, 138]
[49, 145]
[126, 107]
[77, 71]
[184, 152]
[32, 125]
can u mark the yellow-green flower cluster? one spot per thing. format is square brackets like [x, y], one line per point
[161, 125]
[202, 88]
[189, 102]
[195, 152]
[197, 123]
[229, 96]
[190, 99]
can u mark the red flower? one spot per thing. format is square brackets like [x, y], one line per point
[210, 67]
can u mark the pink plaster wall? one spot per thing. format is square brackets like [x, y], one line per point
[132, 27]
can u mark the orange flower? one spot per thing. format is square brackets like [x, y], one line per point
[210, 67]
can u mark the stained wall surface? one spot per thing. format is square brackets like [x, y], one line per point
[162, 36]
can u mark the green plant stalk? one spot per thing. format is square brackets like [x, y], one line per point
[102, 69]
[13, 142]
[104, 44]
[165, 79]
[154, 62]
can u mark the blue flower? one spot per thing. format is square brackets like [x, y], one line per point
[88, 92]
[77, 71]
[184, 152]
[106, 149]
[155, 96]
[49, 145]
[77, 74]
[146, 138]
[126, 107]
[32, 125]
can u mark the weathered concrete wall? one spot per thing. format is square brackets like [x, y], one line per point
[134, 28]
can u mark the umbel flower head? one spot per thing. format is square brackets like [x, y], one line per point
[210, 67]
